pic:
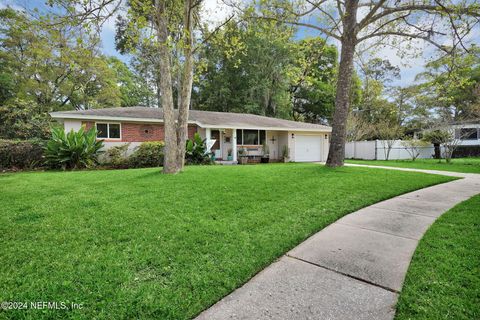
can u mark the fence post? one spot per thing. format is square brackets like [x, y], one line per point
[376, 157]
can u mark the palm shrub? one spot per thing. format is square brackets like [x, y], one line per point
[73, 150]
[196, 151]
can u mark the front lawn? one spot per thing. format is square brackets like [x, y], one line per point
[443, 280]
[465, 165]
[136, 244]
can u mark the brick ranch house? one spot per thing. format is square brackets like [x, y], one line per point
[223, 130]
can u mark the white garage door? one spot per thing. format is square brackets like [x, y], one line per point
[308, 148]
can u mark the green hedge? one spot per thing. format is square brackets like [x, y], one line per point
[25, 154]
[148, 154]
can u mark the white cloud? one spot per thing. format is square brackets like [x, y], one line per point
[214, 12]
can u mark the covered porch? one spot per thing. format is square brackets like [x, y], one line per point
[228, 141]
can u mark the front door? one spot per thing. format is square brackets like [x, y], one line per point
[216, 146]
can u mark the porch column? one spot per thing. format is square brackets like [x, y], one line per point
[208, 138]
[234, 144]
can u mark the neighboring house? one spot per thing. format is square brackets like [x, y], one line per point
[468, 133]
[223, 130]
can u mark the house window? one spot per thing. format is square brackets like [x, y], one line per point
[108, 130]
[250, 137]
[469, 134]
[239, 136]
[102, 130]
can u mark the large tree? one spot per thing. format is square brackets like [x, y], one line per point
[247, 67]
[374, 107]
[134, 91]
[57, 67]
[352, 22]
[257, 66]
[313, 88]
[412, 113]
[170, 27]
[47, 67]
[144, 59]
[451, 85]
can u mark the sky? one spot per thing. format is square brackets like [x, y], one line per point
[216, 11]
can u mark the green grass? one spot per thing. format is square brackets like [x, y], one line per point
[465, 165]
[136, 244]
[443, 281]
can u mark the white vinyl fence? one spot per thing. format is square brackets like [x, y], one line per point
[376, 150]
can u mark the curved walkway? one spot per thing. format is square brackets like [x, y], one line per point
[352, 269]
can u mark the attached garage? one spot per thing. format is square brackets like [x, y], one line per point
[308, 148]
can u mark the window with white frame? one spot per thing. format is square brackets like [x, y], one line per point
[108, 130]
[250, 137]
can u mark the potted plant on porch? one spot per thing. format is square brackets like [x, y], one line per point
[229, 155]
[242, 156]
[266, 153]
[285, 153]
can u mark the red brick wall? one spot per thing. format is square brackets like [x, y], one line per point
[192, 129]
[140, 132]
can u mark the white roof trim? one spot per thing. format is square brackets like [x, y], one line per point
[267, 128]
[61, 116]
[56, 115]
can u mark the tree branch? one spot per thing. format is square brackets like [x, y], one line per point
[404, 34]
[302, 24]
[420, 7]
[328, 15]
[369, 15]
[214, 31]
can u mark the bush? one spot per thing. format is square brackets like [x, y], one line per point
[414, 147]
[21, 119]
[26, 154]
[148, 154]
[196, 151]
[116, 157]
[73, 150]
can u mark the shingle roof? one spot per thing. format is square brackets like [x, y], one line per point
[202, 118]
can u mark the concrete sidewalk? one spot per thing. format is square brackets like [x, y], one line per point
[352, 269]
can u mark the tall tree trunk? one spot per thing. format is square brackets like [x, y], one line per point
[186, 85]
[170, 158]
[336, 152]
[158, 92]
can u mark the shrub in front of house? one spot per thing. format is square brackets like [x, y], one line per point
[148, 154]
[73, 150]
[116, 157]
[196, 151]
[20, 155]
